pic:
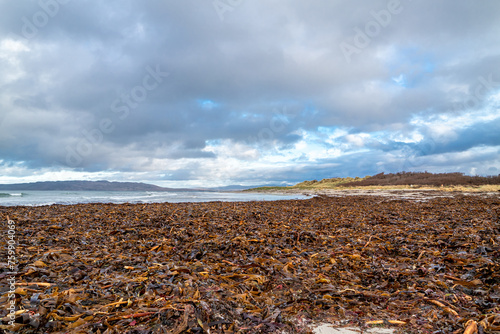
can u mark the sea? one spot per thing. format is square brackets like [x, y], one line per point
[39, 198]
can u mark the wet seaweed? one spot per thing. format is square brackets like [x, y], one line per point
[257, 267]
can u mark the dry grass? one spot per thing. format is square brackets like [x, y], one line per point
[455, 182]
[483, 188]
[327, 183]
[339, 186]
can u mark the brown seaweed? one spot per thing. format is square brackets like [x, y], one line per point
[257, 267]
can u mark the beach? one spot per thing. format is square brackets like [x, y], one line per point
[414, 265]
[391, 192]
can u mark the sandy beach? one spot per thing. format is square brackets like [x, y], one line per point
[410, 194]
[365, 261]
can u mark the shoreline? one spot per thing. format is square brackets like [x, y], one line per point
[396, 193]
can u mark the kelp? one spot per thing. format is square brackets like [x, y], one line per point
[257, 267]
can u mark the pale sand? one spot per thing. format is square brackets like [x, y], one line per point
[411, 194]
[328, 329]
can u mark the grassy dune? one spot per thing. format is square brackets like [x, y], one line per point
[403, 181]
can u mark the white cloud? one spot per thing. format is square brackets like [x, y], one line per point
[9, 56]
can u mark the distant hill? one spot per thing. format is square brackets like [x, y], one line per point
[424, 179]
[402, 179]
[86, 186]
[235, 187]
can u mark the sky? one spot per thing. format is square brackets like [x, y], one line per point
[206, 93]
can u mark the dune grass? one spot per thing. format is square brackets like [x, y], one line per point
[339, 184]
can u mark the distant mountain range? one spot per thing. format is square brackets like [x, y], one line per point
[86, 186]
[104, 186]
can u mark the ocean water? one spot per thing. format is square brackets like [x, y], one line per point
[37, 198]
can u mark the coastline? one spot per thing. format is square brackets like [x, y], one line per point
[260, 267]
[48, 197]
[391, 192]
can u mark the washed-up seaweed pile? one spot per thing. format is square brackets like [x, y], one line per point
[257, 267]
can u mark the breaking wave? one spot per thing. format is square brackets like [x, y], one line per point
[12, 194]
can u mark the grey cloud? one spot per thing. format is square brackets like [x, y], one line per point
[480, 134]
[264, 57]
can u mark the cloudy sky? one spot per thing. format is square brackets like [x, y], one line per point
[219, 92]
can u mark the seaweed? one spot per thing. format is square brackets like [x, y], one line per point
[256, 267]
